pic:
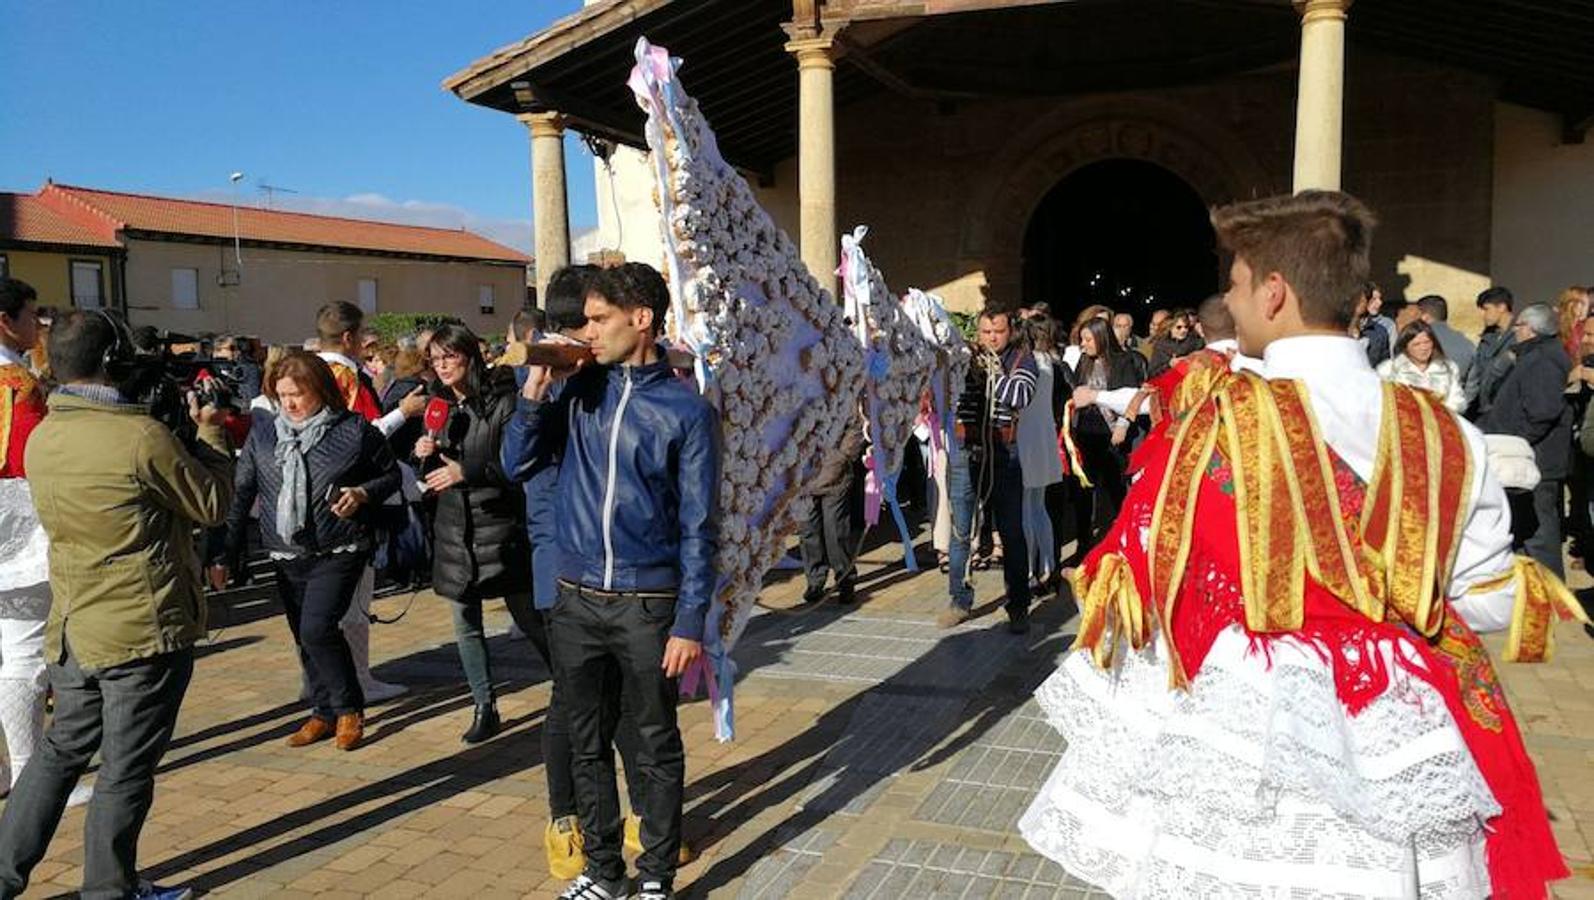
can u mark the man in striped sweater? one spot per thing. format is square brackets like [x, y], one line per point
[983, 475]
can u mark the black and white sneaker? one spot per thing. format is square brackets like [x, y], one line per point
[585, 888]
[652, 890]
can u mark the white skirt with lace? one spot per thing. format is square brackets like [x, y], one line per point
[1256, 782]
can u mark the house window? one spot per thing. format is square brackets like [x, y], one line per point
[368, 295]
[485, 299]
[86, 292]
[185, 289]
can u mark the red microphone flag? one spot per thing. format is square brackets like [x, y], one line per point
[436, 418]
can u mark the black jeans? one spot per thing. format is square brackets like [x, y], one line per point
[471, 640]
[557, 759]
[830, 533]
[316, 593]
[605, 647]
[127, 713]
[1105, 466]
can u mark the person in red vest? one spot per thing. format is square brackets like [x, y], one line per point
[340, 325]
[24, 574]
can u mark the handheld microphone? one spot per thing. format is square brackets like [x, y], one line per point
[436, 416]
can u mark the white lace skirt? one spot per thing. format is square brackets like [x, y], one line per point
[24, 553]
[1256, 783]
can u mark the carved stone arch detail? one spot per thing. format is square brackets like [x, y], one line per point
[1213, 160]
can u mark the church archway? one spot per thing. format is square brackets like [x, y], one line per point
[1123, 232]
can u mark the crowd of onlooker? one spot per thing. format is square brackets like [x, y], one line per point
[1058, 478]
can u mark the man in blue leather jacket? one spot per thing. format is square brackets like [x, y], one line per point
[637, 533]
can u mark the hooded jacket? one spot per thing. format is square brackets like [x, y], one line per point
[638, 483]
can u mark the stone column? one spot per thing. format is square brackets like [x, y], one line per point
[1320, 99]
[818, 237]
[550, 211]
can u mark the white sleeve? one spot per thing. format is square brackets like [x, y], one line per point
[1485, 551]
[1455, 397]
[390, 423]
[1116, 401]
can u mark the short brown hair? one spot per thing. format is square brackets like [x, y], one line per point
[310, 372]
[993, 312]
[337, 319]
[1319, 241]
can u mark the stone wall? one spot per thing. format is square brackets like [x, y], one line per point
[1543, 206]
[948, 191]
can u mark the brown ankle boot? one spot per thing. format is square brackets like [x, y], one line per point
[351, 729]
[314, 729]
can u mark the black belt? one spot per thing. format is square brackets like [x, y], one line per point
[599, 593]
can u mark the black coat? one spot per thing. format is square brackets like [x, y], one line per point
[403, 440]
[350, 454]
[1122, 372]
[1532, 405]
[479, 546]
[1165, 350]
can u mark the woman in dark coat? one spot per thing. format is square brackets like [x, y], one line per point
[318, 472]
[479, 545]
[1102, 437]
[1176, 342]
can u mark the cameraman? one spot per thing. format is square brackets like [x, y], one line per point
[128, 603]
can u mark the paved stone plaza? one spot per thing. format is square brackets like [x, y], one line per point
[877, 757]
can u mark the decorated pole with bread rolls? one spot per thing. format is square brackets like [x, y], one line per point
[771, 349]
[897, 366]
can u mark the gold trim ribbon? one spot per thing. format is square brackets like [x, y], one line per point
[1541, 598]
[1110, 609]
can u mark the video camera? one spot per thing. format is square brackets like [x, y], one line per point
[155, 375]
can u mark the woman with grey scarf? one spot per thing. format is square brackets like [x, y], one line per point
[318, 471]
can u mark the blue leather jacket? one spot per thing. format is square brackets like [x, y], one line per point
[638, 482]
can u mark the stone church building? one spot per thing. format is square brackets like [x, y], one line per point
[1066, 151]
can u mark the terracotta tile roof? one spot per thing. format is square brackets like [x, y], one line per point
[23, 217]
[140, 212]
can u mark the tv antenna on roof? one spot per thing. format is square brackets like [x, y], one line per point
[271, 191]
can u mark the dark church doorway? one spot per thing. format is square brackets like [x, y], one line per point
[1124, 233]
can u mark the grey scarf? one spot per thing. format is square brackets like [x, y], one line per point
[293, 445]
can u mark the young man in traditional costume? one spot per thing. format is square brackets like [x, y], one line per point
[1284, 693]
[24, 576]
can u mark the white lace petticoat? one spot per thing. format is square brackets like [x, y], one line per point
[24, 549]
[1256, 782]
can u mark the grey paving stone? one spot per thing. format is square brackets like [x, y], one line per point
[773, 877]
[994, 779]
[934, 869]
[900, 654]
[887, 733]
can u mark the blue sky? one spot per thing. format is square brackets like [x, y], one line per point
[340, 101]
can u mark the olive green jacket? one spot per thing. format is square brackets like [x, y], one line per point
[119, 497]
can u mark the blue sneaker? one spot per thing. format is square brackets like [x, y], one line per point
[149, 891]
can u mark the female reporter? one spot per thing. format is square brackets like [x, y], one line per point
[479, 545]
[317, 471]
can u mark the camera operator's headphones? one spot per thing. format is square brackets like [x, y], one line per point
[117, 357]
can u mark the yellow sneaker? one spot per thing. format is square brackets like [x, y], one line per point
[562, 840]
[633, 840]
